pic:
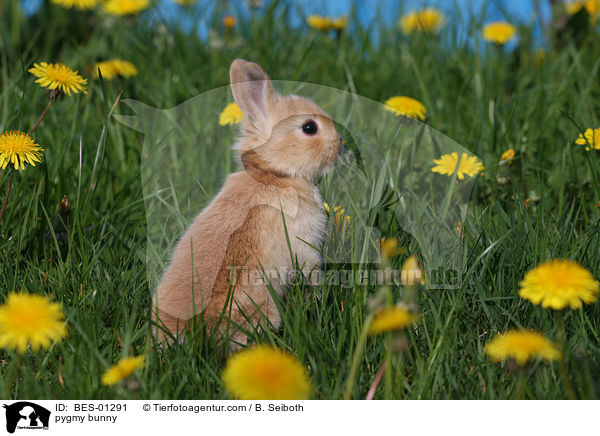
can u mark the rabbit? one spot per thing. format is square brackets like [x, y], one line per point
[286, 144]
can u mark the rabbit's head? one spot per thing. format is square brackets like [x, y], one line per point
[289, 136]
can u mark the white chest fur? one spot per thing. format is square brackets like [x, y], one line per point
[307, 231]
[306, 226]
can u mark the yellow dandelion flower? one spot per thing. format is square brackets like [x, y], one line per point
[592, 7]
[326, 24]
[341, 220]
[508, 155]
[18, 148]
[264, 372]
[125, 7]
[590, 138]
[406, 106]
[521, 345]
[392, 318]
[573, 7]
[339, 23]
[30, 320]
[123, 369]
[60, 77]
[115, 67]
[411, 273]
[320, 23]
[428, 21]
[389, 248]
[559, 283]
[499, 32]
[447, 163]
[232, 114]
[106, 69]
[229, 21]
[79, 4]
[125, 68]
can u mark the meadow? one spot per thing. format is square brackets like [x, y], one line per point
[75, 226]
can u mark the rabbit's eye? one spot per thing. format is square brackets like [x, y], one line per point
[310, 127]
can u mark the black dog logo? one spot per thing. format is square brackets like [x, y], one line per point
[27, 414]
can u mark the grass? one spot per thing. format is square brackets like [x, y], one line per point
[487, 99]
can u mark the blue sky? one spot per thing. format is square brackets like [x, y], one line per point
[523, 10]
[388, 10]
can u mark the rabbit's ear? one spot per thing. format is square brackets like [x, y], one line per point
[252, 89]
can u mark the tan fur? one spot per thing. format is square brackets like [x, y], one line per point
[243, 226]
